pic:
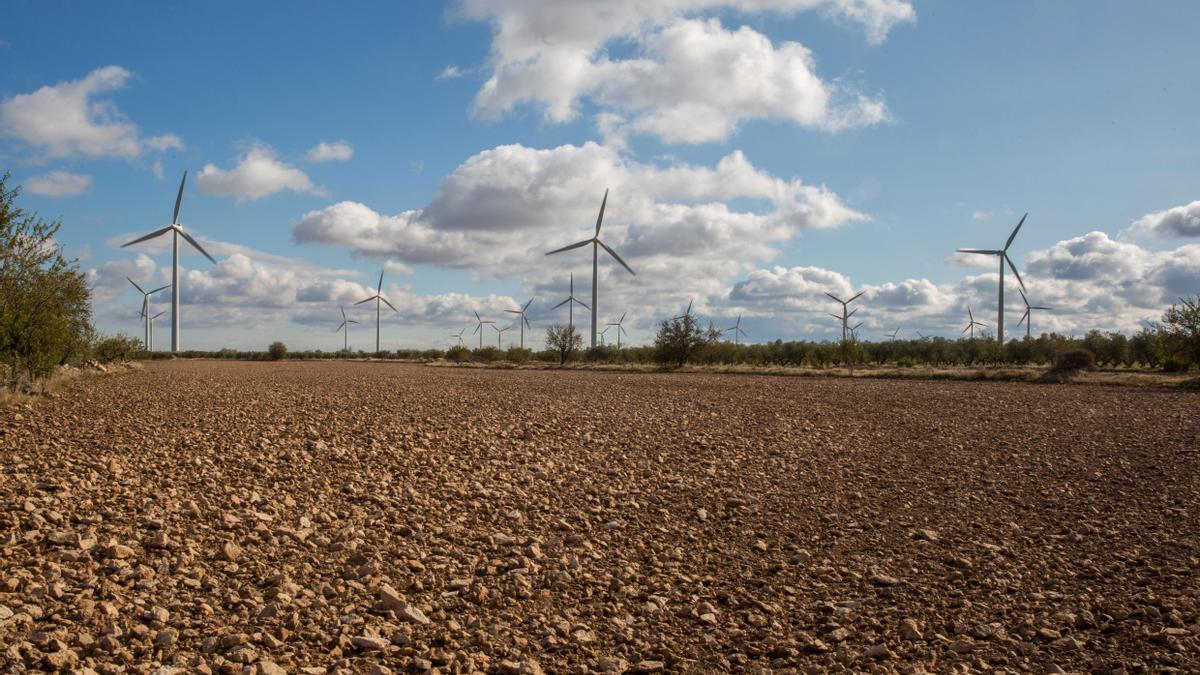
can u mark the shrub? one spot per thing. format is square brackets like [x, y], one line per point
[563, 340]
[518, 355]
[906, 362]
[681, 340]
[600, 354]
[277, 351]
[1074, 359]
[119, 347]
[458, 353]
[45, 303]
[488, 354]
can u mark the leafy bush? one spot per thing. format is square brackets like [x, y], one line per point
[564, 341]
[601, 354]
[45, 303]
[488, 354]
[518, 355]
[119, 347]
[458, 353]
[681, 340]
[277, 351]
[1073, 360]
[906, 362]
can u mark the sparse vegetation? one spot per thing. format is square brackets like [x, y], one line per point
[119, 347]
[277, 351]
[563, 341]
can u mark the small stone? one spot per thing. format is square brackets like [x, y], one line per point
[879, 651]
[649, 667]
[883, 580]
[165, 638]
[270, 668]
[369, 644]
[230, 551]
[701, 514]
[760, 546]
[612, 664]
[412, 614]
[910, 630]
[157, 614]
[926, 535]
[118, 551]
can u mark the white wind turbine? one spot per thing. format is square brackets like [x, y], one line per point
[177, 231]
[500, 334]
[892, 335]
[736, 328]
[687, 315]
[145, 313]
[459, 335]
[1027, 317]
[620, 329]
[570, 302]
[522, 320]
[150, 324]
[596, 246]
[601, 334]
[845, 317]
[479, 328]
[345, 328]
[1003, 255]
[378, 298]
[972, 324]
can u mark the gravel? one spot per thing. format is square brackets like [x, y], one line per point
[369, 517]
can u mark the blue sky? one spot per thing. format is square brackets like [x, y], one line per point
[756, 158]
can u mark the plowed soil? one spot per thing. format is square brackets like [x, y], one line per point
[299, 517]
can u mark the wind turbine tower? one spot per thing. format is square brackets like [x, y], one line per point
[736, 328]
[570, 302]
[345, 328]
[479, 328]
[145, 313]
[1002, 254]
[620, 329]
[378, 298]
[522, 320]
[1027, 317]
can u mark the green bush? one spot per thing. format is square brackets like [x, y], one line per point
[487, 354]
[518, 355]
[119, 347]
[564, 341]
[906, 362]
[45, 302]
[1073, 360]
[458, 353]
[277, 351]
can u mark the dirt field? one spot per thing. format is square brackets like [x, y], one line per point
[233, 517]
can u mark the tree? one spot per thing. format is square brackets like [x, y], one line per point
[681, 339]
[277, 351]
[45, 303]
[563, 339]
[1180, 331]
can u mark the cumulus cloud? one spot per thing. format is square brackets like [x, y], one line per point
[71, 118]
[451, 72]
[59, 184]
[337, 151]
[258, 173]
[1181, 221]
[689, 79]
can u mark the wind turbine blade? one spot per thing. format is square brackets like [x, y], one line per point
[585, 242]
[600, 218]
[1023, 298]
[343, 312]
[379, 288]
[179, 200]
[622, 329]
[852, 313]
[351, 321]
[340, 327]
[158, 315]
[1014, 232]
[136, 286]
[477, 327]
[526, 305]
[836, 298]
[160, 288]
[855, 297]
[513, 311]
[622, 319]
[389, 304]
[970, 315]
[145, 307]
[966, 329]
[836, 317]
[561, 304]
[149, 236]
[1045, 308]
[477, 316]
[1013, 267]
[195, 243]
[367, 300]
[584, 304]
[1023, 317]
[689, 312]
[983, 251]
[618, 258]
[526, 320]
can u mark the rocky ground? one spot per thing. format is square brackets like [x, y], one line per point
[305, 517]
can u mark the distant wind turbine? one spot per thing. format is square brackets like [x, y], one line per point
[1002, 254]
[854, 330]
[1027, 317]
[736, 328]
[620, 329]
[499, 334]
[345, 328]
[522, 320]
[972, 324]
[150, 322]
[687, 314]
[570, 302]
[601, 334]
[145, 313]
[845, 317]
[459, 335]
[378, 298]
[176, 231]
[893, 334]
[596, 246]
[479, 328]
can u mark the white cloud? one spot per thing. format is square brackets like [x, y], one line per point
[451, 72]
[70, 118]
[257, 174]
[337, 151]
[1181, 221]
[59, 184]
[981, 215]
[688, 80]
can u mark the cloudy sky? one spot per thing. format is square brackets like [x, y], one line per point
[757, 154]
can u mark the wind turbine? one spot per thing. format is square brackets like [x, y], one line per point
[479, 328]
[686, 315]
[459, 335]
[522, 320]
[345, 326]
[499, 334]
[736, 328]
[378, 298]
[1027, 316]
[176, 231]
[1003, 255]
[854, 331]
[620, 329]
[145, 313]
[570, 303]
[150, 323]
[601, 334]
[893, 334]
[845, 317]
[596, 246]
[972, 324]
[922, 335]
